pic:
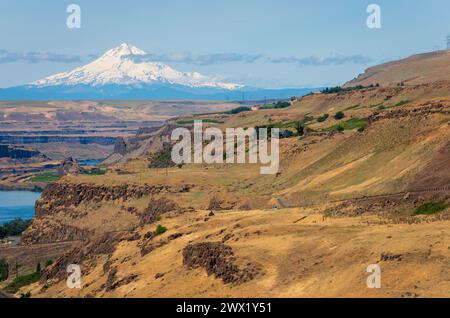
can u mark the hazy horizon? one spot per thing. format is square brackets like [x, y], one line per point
[300, 44]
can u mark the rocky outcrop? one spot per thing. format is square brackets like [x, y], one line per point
[218, 259]
[60, 196]
[156, 208]
[113, 282]
[63, 200]
[421, 110]
[121, 146]
[69, 166]
[216, 204]
[44, 231]
[148, 245]
[89, 249]
[145, 142]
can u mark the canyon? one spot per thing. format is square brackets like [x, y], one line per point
[36, 136]
[368, 187]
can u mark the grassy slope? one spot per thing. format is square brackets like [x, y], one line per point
[312, 257]
[417, 69]
[312, 170]
[385, 158]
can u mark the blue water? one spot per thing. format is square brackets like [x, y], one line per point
[17, 204]
[91, 162]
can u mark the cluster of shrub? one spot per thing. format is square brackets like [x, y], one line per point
[338, 89]
[14, 228]
[277, 105]
[322, 118]
[237, 110]
[431, 208]
[299, 127]
[338, 116]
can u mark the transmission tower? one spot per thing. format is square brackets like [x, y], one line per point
[448, 42]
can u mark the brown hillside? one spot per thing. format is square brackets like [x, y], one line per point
[350, 192]
[417, 69]
[352, 196]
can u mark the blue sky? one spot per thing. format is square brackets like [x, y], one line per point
[282, 43]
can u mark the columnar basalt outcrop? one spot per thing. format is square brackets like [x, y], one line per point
[218, 259]
[44, 231]
[60, 196]
[62, 202]
[86, 250]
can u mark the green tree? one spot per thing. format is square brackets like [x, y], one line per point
[339, 115]
[238, 110]
[38, 267]
[3, 232]
[14, 227]
[4, 269]
[323, 118]
[299, 128]
[160, 229]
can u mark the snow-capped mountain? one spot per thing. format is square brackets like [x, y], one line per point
[121, 66]
[125, 73]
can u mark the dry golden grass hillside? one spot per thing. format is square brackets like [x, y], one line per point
[296, 253]
[417, 69]
[370, 186]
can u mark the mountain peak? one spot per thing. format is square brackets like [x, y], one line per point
[125, 49]
[117, 68]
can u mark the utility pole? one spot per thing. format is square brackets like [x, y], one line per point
[448, 41]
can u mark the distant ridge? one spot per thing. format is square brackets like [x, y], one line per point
[417, 69]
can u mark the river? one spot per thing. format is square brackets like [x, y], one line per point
[17, 204]
[89, 162]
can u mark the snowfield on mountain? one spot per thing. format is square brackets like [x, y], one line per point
[121, 65]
